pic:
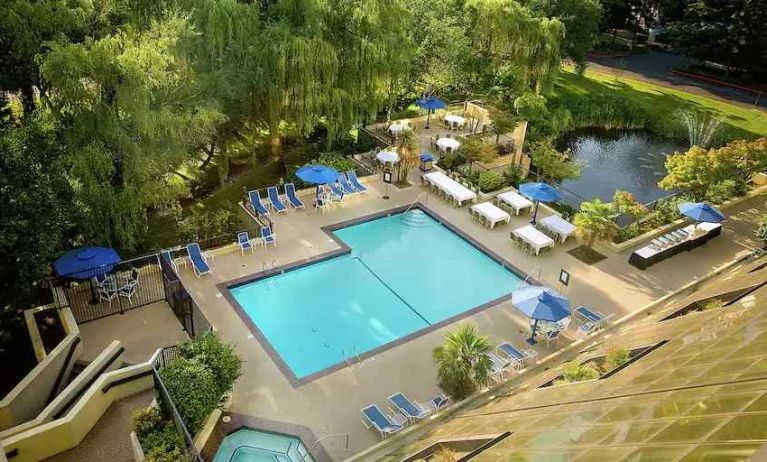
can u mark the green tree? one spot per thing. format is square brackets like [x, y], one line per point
[761, 230]
[595, 221]
[476, 150]
[463, 362]
[219, 357]
[132, 113]
[192, 387]
[581, 18]
[626, 204]
[407, 148]
[552, 164]
[698, 169]
[503, 122]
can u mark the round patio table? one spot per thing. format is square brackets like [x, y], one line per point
[445, 144]
[455, 120]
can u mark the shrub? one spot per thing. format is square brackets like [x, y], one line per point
[217, 356]
[513, 175]
[173, 455]
[335, 160]
[726, 189]
[712, 304]
[145, 421]
[761, 230]
[490, 181]
[463, 362]
[575, 372]
[616, 358]
[205, 224]
[626, 204]
[451, 160]
[164, 439]
[193, 389]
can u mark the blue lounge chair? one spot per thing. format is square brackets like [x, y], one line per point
[514, 355]
[243, 240]
[592, 320]
[166, 255]
[345, 185]
[274, 199]
[352, 175]
[199, 263]
[413, 411]
[373, 417]
[438, 402]
[267, 237]
[255, 202]
[293, 199]
[336, 190]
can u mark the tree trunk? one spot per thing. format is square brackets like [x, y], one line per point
[210, 151]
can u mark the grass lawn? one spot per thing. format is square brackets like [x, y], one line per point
[743, 122]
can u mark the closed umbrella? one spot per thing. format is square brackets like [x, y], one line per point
[539, 192]
[540, 304]
[430, 103]
[701, 212]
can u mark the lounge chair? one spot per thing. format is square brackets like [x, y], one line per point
[591, 320]
[346, 185]
[255, 202]
[352, 175]
[438, 402]
[166, 255]
[336, 191]
[293, 199]
[373, 417]
[128, 290]
[199, 263]
[514, 355]
[243, 240]
[267, 237]
[413, 411]
[275, 201]
[498, 366]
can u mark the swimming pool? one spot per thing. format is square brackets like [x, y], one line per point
[250, 445]
[404, 273]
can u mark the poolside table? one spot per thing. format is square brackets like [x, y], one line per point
[650, 254]
[455, 121]
[445, 144]
[534, 238]
[515, 200]
[492, 213]
[558, 226]
[451, 187]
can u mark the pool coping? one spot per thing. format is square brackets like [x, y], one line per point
[225, 289]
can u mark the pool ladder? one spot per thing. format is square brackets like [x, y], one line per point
[425, 194]
[354, 354]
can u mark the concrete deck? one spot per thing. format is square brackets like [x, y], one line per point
[330, 405]
[140, 330]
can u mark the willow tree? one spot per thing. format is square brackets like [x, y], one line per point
[132, 112]
[513, 43]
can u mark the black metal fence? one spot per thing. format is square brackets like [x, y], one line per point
[181, 302]
[166, 402]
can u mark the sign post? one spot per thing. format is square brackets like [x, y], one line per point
[387, 181]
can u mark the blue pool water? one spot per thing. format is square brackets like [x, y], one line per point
[249, 445]
[405, 273]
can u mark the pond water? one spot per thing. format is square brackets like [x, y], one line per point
[617, 159]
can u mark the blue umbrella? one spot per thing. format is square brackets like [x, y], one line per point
[540, 304]
[700, 211]
[317, 174]
[86, 262]
[539, 192]
[430, 103]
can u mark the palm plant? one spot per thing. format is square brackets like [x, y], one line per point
[407, 148]
[596, 220]
[463, 361]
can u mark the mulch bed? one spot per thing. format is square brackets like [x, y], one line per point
[587, 255]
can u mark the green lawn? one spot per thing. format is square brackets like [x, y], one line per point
[744, 122]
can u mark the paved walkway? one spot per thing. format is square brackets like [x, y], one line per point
[109, 440]
[653, 67]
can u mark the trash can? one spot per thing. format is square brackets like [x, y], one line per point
[426, 162]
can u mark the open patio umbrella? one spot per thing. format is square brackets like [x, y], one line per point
[539, 192]
[701, 212]
[86, 262]
[430, 103]
[540, 304]
[317, 174]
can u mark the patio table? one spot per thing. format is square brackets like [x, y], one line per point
[394, 129]
[447, 143]
[536, 239]
[451, 187]
[455, 121]
[515, 200]
[492, 213]
[559, 226]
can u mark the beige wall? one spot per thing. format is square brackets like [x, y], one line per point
[67, 432]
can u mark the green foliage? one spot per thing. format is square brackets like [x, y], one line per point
[513, 175]
[574, 372]
[596, 221]
[581, 19]
[158, 454]
[204, 224]
[219, 357]
[193, 388]
[552, 164]
[712, 304]
[616, 358]
[491, 181]
[463, 362]
[146, 420]
[158, 437]
[726, 189]
[407, 148]
[451, 160]
[476, 150]
[761, 230]
[337, 161]
[625, 203]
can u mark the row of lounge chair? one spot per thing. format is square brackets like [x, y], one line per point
[669, 240]
[401, 411]
[346, 184]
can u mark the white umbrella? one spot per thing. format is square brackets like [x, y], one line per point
[387, 156]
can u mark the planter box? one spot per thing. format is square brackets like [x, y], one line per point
[138, 452]
[201, 437]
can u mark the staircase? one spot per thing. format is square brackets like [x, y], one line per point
[416, 218]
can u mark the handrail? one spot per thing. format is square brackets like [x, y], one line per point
[345, 436]
[426, 193]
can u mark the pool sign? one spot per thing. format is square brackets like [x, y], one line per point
[387, 181]
[564, 277]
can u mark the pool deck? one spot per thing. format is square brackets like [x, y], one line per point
[329, 406]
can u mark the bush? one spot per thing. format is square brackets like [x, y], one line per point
[712, 304]
[336, 160]
[490, 181]
[145, 421]
[616, 358]
[173, 455]
[451, 160]
[165, 439]
[761, 230]
[575, 372]
[206, 224]
[217, 356]
[726, 189]
[193, 389]
[513, 175]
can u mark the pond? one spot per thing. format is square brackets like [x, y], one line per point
[617, 159]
